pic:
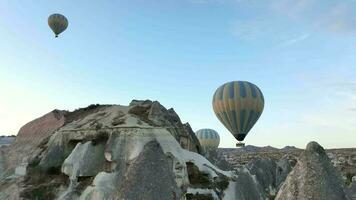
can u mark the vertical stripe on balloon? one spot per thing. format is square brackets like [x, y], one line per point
[242, 89]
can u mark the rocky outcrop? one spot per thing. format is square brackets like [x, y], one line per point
[214, 156]
[31, 136]
[150, 177]
[313, 177]
[141, 151]
[5, 141]
[156, 115]
[260, 179]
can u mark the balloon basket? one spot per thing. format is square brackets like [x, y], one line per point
[240, 144]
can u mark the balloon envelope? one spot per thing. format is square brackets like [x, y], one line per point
[238, 105]
[58, 23]
[208, 138]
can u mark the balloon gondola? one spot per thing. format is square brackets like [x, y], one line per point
[238, 105]
[240, 144]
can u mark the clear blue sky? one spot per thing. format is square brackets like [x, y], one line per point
[301, 53]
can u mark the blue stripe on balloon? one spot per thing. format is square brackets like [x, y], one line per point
[253, 90]
[249, 120]
[242, 120]
[242, 89]
[226, 119]
[261, 95]
[231, 90]
[234, 120]
[214, 97]
[257, 115]
[221, 92]
[219, 117]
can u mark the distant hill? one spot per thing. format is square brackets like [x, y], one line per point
[256, 149]
[289, 148]
[6, 140]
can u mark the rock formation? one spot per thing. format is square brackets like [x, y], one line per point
[261, 178]
[144, 151]
[313, 178]
[140, 151]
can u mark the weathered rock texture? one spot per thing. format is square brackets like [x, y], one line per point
[351, 190]
[32, 135]
[313, 178]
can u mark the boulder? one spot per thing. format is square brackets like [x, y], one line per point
[149, 177]
[313, 177]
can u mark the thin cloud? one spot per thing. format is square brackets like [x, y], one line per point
[250, 29]
[337, 89]
[353, 109]
[295, 40]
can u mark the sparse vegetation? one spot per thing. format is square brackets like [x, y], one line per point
[349, 176]
[197, 178]
[223, 183]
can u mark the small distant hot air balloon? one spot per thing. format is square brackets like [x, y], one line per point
[58, 23]
[238, 105]
[208, 138]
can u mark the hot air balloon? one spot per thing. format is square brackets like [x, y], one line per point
[208, 138]
[238, 105]
[58, 23]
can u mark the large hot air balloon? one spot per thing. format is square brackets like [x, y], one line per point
[208, 138]
[58, 23]
[238, 105]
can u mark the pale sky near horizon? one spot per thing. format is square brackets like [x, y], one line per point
[301, 54]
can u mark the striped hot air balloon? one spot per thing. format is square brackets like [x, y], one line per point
[208, 138]
[238, 105]
[58, 23]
